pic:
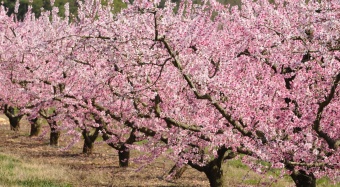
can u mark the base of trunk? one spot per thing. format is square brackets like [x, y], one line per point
[89, 140]
[302, 179]
[35, 128]
[88, 148]
[15, 123]
[215, 176]
[15, 128]
[124, 156]
[54, 138]
[14, 117]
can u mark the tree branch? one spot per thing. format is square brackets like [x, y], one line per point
[333, 144]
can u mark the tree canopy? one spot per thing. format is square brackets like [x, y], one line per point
[202, 84]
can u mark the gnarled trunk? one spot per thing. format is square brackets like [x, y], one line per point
[213, 169]
[302, 179]
[14, 123]
[123, 150]
[124, 156]
[13, 116]
[214, 173]
[35, 127]
[89, 140]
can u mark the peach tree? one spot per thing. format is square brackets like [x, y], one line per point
[202, 84]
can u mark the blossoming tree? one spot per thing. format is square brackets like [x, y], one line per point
[207, 82]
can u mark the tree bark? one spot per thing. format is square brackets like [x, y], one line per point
[35, 127]
[214, 173]
[124, 156]
[302, 179]
[123, 150]
[89, 139]
[54, 138]
[15, 122]
[88, 147]
[213, 170]
[54, 135]
[13, 116]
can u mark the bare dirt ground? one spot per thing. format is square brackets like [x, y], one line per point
[99, 169]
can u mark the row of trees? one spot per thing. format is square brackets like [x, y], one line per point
[200, 85]
[45, 5]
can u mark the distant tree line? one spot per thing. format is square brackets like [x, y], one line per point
[43, 5]
[38, 6]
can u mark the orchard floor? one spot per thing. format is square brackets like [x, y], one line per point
[99, 169]
[71, 168]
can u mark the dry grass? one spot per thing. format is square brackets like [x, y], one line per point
[73, 168]
[32, 162]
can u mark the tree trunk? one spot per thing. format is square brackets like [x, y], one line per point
[35, 127]
[13, 116]
[15, 123]
[87, 147]
[123, 150]
[54, 138]
[177, 171]
[124, 156]
[89, 140]
[214, 173]
[302, 179]
[54, 135]
[213, 169]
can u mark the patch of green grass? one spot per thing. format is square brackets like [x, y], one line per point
[237, 163]
[325, 182]
[238, 173]
[141, 142]
[40, 183]
[16, 172]
[251, 181]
